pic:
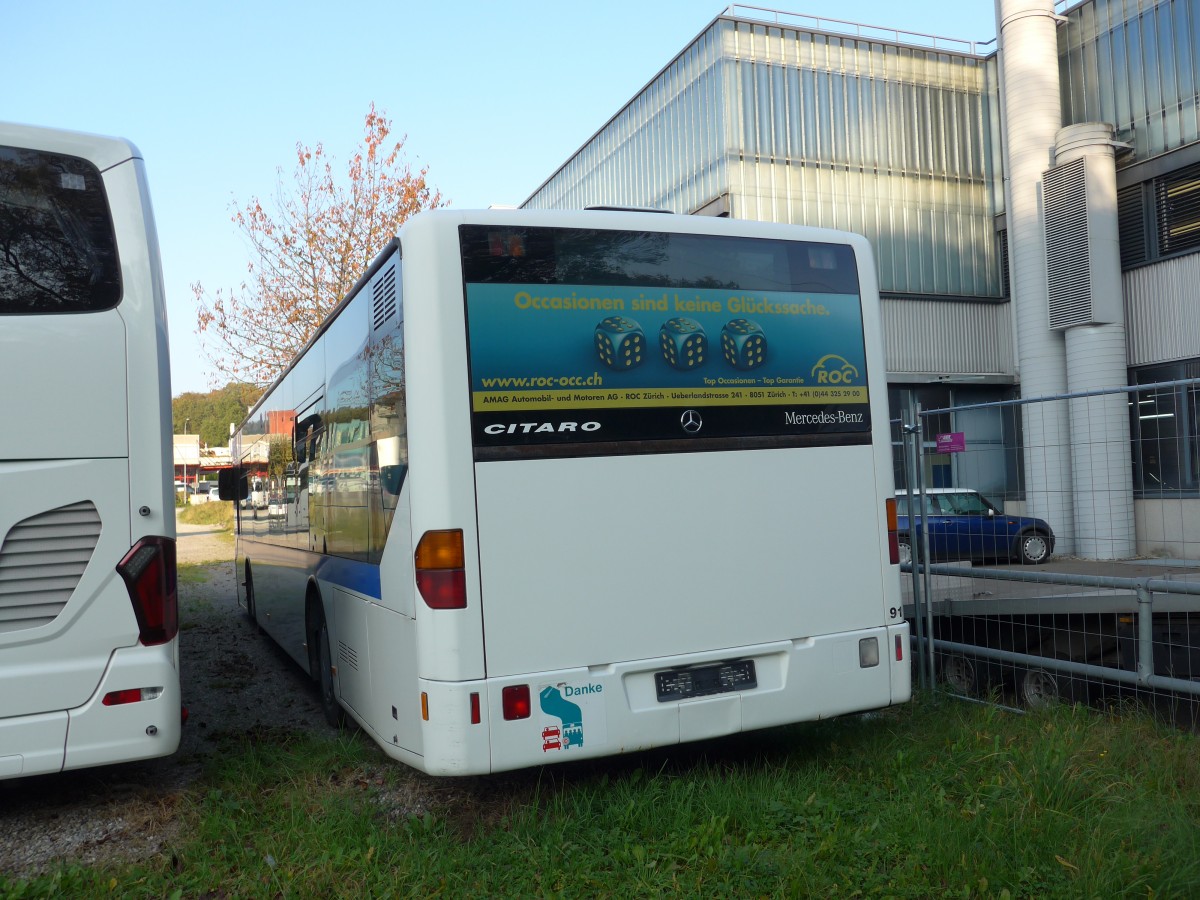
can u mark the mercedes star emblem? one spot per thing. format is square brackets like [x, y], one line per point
[691, 421]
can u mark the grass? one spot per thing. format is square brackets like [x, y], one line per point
[936, 799]
[214, 512]
[192, 573]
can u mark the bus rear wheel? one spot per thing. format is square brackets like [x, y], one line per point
[330, 708]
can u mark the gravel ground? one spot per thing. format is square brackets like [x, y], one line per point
[234, 681]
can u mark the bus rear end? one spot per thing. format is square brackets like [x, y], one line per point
[88, 618]
[677, 433]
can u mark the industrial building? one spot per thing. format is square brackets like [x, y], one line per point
[1034, 208]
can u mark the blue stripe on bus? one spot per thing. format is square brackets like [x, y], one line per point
[350, 574]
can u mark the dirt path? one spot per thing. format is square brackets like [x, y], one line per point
[202, 544]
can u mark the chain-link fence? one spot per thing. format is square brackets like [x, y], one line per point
[1054, 546]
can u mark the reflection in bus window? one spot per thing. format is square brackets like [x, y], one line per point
[57, 249]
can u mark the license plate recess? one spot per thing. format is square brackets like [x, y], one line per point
[702, 681]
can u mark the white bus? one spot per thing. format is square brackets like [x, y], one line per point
[89, 664]
[571, 484]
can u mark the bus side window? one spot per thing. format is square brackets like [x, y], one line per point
[389, 429]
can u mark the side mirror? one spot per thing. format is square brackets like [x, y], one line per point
[232, 484]
[391, 478]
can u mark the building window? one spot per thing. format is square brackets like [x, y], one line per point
[1177, 208]
[1160, 217]
[992, 462]
[1165, 428]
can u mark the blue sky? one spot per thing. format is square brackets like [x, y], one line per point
[492, 96]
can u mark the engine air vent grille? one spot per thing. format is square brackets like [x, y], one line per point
[384, 297]
[41, 561]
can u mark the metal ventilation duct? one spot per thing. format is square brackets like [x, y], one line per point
[1032, 117]
[1084, 270]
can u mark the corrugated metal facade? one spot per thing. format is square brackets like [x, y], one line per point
[1161, 318]
[665, 149]
[888, 141]
[782, 124]
[901, 144]
[942, 337]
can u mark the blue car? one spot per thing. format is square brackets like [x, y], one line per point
[964, 525]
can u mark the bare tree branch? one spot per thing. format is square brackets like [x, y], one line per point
[308, 251]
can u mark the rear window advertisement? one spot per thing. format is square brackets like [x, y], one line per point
[577, 363]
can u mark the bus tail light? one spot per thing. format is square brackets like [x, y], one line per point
[441, 569]
[148, 571]
[515, 700]
[899, 648]
[889, 506]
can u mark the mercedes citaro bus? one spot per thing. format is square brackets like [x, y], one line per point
[568, 484]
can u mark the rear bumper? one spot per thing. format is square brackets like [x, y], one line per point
[94, 734]
[605, 710]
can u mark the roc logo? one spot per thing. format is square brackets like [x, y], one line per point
[832, 369]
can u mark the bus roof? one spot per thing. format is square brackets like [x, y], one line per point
[103, 152]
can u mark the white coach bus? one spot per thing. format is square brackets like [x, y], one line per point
[89, 666]
[570, 484]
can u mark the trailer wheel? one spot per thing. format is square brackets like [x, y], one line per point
[959, 674]
[1039, 688]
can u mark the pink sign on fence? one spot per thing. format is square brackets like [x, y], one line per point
[954, 442]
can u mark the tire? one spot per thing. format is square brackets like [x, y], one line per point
[330, 708]
[1039, 688]
[1033, 548]
[959, 674]
[251, 607]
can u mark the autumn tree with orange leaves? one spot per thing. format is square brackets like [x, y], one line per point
[309, 249]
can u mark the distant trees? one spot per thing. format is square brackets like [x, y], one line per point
[309, 248]
[209, 415]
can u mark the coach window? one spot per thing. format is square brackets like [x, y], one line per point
[58, 253]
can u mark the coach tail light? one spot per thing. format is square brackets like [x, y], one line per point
[441, 569]
[131, 695]
[148, 571]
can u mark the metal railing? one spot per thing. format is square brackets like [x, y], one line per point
[1078, 628]
[858, 30]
